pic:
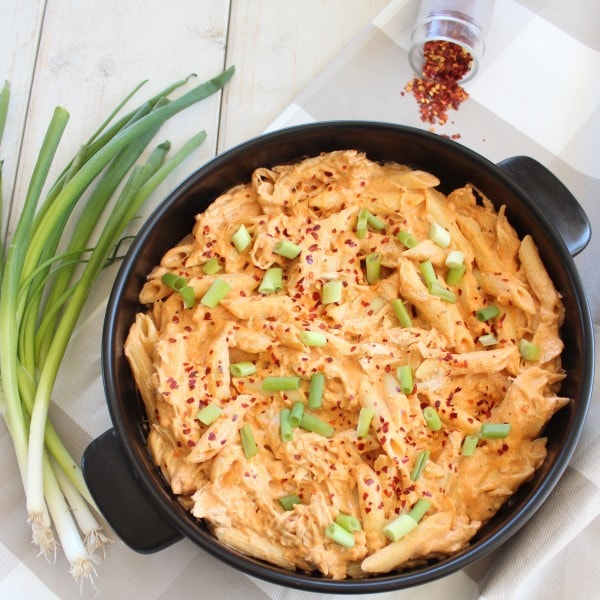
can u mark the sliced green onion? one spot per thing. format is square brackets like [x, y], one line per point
[188, 296]
[405, 377]
[399, 527]
[313, 338]
[285, 426]
[211, 266]
[362, 223]
[215, 293]
[438, 290]
[432, 419]
[455, 259]
[209, 414]
[373, 267]
[453, 276]
[488, 339]
[242, 369]
[316, 425]
[287, 502]
[248, 443]
[287, 249]
[339, 535]
[296, 414]
[407, 239]
[494, 431]
[419, 509]
[272, 281]
[365, 416]
[281, 384]
[420, 463]
[175, 282]
[469, 444]
[348, 522]
[241, 238]
[401, 312]
[487, 312]
[331, 291]
[375, 222]
[429, 276]
[439, 236]
[529, 350]
[315, 391]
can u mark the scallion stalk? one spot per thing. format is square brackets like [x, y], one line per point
[529, 350]
[438, 290]
[401, 312]
[287, 502]
[420, 464]
[287, 249]
[316, 425]
[242, 369]
[439, 236]
[272, 281]
[469, 445]
[487, 312]
[218, 289]
[373, 267]
[432, 419]
[405, 377]
[361, 223]
[248, 443]
[375, 222]
[494, 431]
[488, 339]
[313, 338]
[365, 416]
[348, 522]
[241, 239]
[407, 239]
[281, 384]
[455, 274]
[211, 266]
[285, 426]
[429, 276]
[209, 414]
[331, 291]
[340, 535]
[315, 391]
[406, 522]
[455, 259]
[296, 413]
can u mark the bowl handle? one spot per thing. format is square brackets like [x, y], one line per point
[120, 498]
[553, 198]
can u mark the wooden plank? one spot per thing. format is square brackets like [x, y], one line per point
[278, 48]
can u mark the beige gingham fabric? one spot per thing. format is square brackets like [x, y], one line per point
[537, 94]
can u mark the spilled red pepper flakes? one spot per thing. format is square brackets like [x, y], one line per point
[446, 63]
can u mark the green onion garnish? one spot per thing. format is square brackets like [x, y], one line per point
[338, 534]
[315, 392]
[469, 444]
[405, 377]
[348, 522]
[429, 277]
[432, 419]
[242, 369]
[529, 350]
[419, 509]
[439, 236]
[248, 443]
[287, 502]
[241, 239]
[188, 295]
[296, 414]
[420, 463]
[365, 416]
[287, 249]
[211, 266]
[331, 291]
[488, 339]
[361, 223]
[373, 267]
[175, 282]
[407, 239]
[312, 423]
[405, 523]
[455, 259]
[375, 222]
[313, 338]
[215, 293]
[209, 414]
[438, 290]
[401, 312]
[285, 426]
[453, 276]
[494, 431]
[487, 312]
[272, 281]
[280, 384]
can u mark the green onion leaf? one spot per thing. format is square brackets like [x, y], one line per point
[432, 419]
[215, 293]
[488, 339]
[487, 312]
[407, 239]
[338, 534]
[280, 384]
[316, 425]
[209, 414]
[469, 444]
[242, 369]
[373, 267]
[211, 266]
[453, 276]
[313, 338]
[429, 277]
[494, 431]
[438, 290]
[420, 463]
[348, 522]
[315, 391]
[529, 350]
[439, 236]
[365, 416]
[285, 426]
[287, 249]
[241, 238]
[361, 223]
[455, 259]
[331, 291]
[248, 443]
[287, 502]
[405, 377]
[401, 312]
[272, 281]
[296, 413]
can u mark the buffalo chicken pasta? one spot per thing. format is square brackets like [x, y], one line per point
[344, 370]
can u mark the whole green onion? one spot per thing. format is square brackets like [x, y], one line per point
[272, 281]
[241, 239]
[285, 426]
[316, 425]
[296, 413]
[365, 416]
[242, 369]
[401, 312]
[313, 338]
[455, 259]
[407, 239]
[315, 391]
[281, 384]
[209, 414]
[373, 267]
[432, 419]
[454, 275]
[248, 444]
[438, 290]
[405, 377]
[348, 522]
[211, 266]
[494, 430]
[287, 502]
[529, 350]
[487, 312]
[215, 293]
[420, 463]
[287, 249]
[340, 535]
[331, 291]
[469, 445]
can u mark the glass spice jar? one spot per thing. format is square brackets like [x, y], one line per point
[463, 22]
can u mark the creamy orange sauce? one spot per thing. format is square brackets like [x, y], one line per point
[181, 360]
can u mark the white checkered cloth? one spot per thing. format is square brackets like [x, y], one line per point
[537, 94]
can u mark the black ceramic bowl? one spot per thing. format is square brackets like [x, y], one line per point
[127, 486]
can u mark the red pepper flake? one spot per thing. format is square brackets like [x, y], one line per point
[438, 89]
